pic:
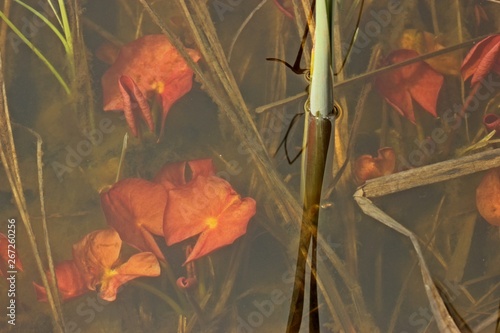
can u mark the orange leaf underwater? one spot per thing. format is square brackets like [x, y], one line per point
[368, 167]
[185, 199]
[482, 59]
[208, 206]
[415, 82]
[96, 262]
[488, 197]
[147, 66]
[134, 208]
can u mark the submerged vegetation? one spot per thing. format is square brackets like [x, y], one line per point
[192, 223]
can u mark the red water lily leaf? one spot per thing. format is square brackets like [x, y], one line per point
[369, 167]
[415, 82]
[147, 66]
[134, 208]
[69, 282]
[482, 59]
[208, 206]
[138, 265]
[177, 174]
[488, 197]
[7, 254]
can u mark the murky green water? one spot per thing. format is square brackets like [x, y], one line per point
[370, 278]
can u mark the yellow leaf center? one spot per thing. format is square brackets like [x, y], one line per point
[211, 222]
[159, 87]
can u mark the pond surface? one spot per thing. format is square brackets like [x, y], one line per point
[170, 202]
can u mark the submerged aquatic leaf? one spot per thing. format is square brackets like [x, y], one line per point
[482, 59]
[208, 206]
[134, 208]
[96, 262]
[424, 42]
[96, 252]
[97, 259]
[7, 253]
[369, 167]
[147, 66]
[488, 197]
[70, 282]
[415, 82]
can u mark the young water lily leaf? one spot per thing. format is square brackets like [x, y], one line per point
[134, 207]
[97, 258]
[415, 82]
[96, 263]
[147, 66]
[209, 207]
[482, 59]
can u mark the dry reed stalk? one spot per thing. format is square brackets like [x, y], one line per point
[444, 320]
[426, 175]
[50, 261]
[82, 83]
[9, 160]
[431, 174]
[281, 102]
[3, 26]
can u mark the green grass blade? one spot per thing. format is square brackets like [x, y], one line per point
[36, 51]
[55, 13]
[46, 21]
[66, 27]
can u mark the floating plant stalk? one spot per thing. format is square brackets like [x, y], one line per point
[319, 130]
